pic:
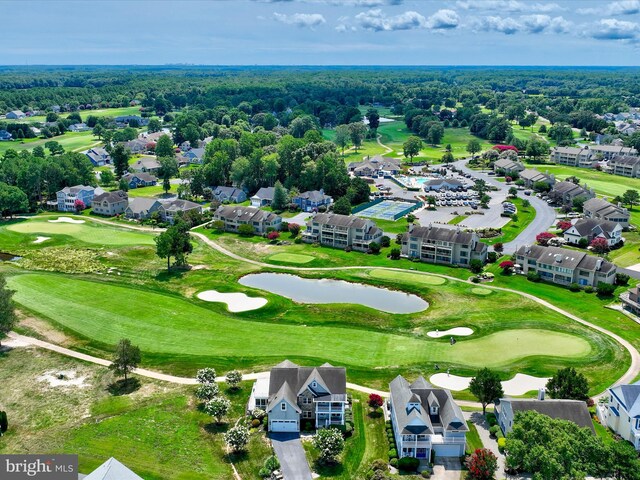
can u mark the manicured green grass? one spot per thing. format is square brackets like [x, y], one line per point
[88, 232]
[604, 433]
[629, 254]
[291, 258]
[512, 229]
[407, 277]
[391, 226]
[103, 112]
[72, 142]
[457, 220]
[155, 191]
[473, 439]
[481, 291]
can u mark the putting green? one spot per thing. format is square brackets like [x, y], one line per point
[291, 258]
[89, 232]
[166, 324]
[481, 291]
[413, 278]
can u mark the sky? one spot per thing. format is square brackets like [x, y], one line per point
[320, 32]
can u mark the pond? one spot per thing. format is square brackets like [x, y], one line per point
[308, 290]
[8, 257]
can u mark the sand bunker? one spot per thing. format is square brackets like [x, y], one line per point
[41, 239]
[236, 302]
[518, 385]
[67, 378]
[456, 331]
[66, 220]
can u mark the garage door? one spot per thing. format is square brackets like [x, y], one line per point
[284, 425]
[447, 450]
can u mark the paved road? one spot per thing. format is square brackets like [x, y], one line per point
[545, 215]
[293, 461]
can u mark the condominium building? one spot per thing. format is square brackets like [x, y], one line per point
[342, 231]
[443, 245]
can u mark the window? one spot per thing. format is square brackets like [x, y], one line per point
[283, 406]
[306, 414]
[306, 400]
[314, 384]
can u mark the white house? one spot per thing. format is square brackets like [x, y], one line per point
[67, 197]
[621, 412]
[263, 197]
[425, 419]
[591, 228]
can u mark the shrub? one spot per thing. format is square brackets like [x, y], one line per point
[475, 280]
[574, 287]
[294, 229]
[588, 289]
[385, 241]
[476, 265]
[330, 443]
[272, 463]
[425, 474]
[245, 230]
[379, 465]
[206, 391]
[491, 419]
[258, 413]
[264, 472]
[237, 438]
[234, 377]
[273, 236]
[408, 464]
[501, 444]
[493, 430]
[492, 257]
[544, 237]
[393, 462]
[395, 254]
[375, 401]
[482, 465]
[374, 247]
[533, 277]
[507, 266]
[298, 240]
[622, 279]
[583, 243]
[605, 289]
[599, 245]
[218, 225]
[255, 423]
[393, 453]
[563, 225]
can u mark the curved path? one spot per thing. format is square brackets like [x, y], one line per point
[632, 372]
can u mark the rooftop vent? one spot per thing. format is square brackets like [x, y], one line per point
[559, 258]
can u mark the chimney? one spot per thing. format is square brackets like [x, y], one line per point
[541, 394]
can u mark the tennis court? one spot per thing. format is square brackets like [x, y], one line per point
[387, 210]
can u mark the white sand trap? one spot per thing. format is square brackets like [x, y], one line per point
[69, 379]
[66, 220]
[236, 302]
[522, 383]
[41, 239]
[456, 331]
[518, 385]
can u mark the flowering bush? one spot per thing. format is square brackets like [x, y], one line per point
[273, 236]
[237, 438]
[482, 465]
[563, 225]
[507, 266]
[508, 179]
[79, 205]
[544, 237]
[599, 245]
[502, 148]
[294, 229]
[375, 400]
[206, 375]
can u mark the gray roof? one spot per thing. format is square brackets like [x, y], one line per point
[585, 226]
[453, 235]
[265, 193]
[78, 188]
[440, 181]
[629, 397]
[377, 163]
[624, 160]
[314, 196]
[335, 219]
[284, 393]
[247, 214]
[180, 205]
[228, 191]
[507, 164]
[612, 148]
[144, 176]
[569, 150]
[565, 258]
[565, 187]
[414, 421]
[575, 411]
[111, 197]
[112, 469]
[602, 207]
[534, 175]
[147, 162]
[198, 152]
[142, 204]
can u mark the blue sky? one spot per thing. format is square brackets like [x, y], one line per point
[321, 32]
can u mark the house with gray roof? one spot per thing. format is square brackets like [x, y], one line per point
[630, 300]
[531, 176]
[263, 197]
[137, 145]
[507, 166]
[608, 152]
[293, 394]
[112, 469]
[312, 200]
[599, 208]
[625, 165]
[5, 136]
[15, 115]
[194, 156]
[342, 231]
[564, 193]
[110, 203]
[591, 228]
[234, 216]
[378, 166]
[564, 266]
[141, 208]
[621, 412]
[574, 156]
[172, 208]
[425, 419]
[146, 164]
[229, 194]
[451, 246]
[446, 184]
[68, 196]
[98, 156]
[575, 411]
[141, 179]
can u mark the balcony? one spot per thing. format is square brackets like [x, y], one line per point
[328, 409]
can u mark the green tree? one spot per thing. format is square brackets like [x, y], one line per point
[568, 384]
[302, 125]
[54, 147]
[125, 358]
[343, 135]
[342, 206]
[329, 443]
[120, 158]
[279, 202]
[357, 132]
[175, 242]
[12, 200]
[358, 191]
[218, 407]
[476, 266]
[513, 192]
[486, 387]
[168, 169]
[537, 148]
[412, 147]
[38, 152]
[374, 119]
[206, 375]
[164, 147]
[233, 378]
[154, 125]
[631, 198]
[474, 146]
[107, 178]
[98, 131]
[447, 158]
[436, 132]
[123, 185]
[237, 438]
[8, 318]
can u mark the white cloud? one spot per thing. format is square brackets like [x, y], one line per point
[377, 21]
[622, 7]
[544, 23]
[506, 25]
[443, 20]
[510, 6]
[532, 24]
[300, 19]
[613, 29]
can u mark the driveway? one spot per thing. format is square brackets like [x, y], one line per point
[293, 461]
[445, 468]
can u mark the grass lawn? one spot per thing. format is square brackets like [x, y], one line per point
[391, 226]
[103, 112]
[154, 191]
[291, 258]
[88, 232]
[512, 229]
[629, 254]
[407, 277]
[72, 142]
[473, 439]
[457, 220]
